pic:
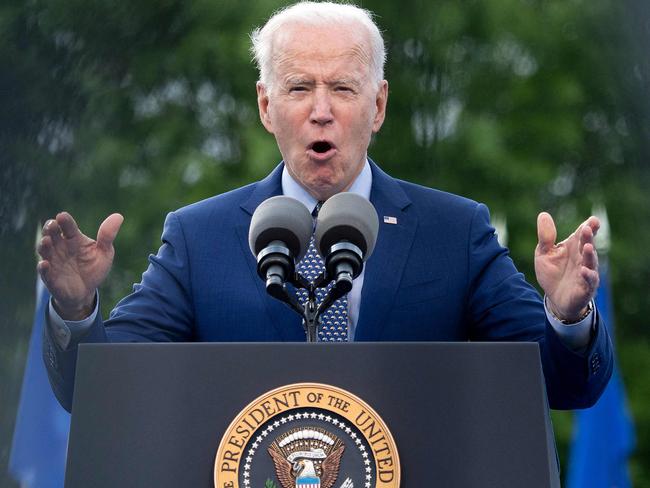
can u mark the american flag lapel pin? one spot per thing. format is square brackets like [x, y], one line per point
[390, 220]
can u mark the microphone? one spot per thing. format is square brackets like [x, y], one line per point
[279, 236]
[346, 233]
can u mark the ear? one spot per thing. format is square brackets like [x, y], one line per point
[263, 106]
[381, 100]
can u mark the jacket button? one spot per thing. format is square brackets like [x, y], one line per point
[595, 363]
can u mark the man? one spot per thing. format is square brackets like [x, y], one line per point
[437, 272]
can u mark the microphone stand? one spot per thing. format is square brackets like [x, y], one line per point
[309, 311]
[343, 262]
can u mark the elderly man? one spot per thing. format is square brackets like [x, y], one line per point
[437, 273]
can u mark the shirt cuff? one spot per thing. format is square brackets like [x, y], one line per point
[66, 331]
[575, 336]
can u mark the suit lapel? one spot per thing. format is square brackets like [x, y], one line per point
[283, 319]
[384, 269]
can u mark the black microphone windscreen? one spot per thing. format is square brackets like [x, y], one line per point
[347, 217]
[283, 219]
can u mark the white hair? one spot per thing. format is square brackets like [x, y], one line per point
[317, 14]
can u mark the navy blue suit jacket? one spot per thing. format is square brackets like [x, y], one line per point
[438, 274]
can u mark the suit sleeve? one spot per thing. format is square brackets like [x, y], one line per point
[503, 306]
[158, 310]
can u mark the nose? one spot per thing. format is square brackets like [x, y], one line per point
[321, 111]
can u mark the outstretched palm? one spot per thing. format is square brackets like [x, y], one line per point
[73, 264]
[567, 271]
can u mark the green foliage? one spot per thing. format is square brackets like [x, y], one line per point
[142, 107]
[270, 484]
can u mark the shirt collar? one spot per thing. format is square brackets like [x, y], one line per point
[291, 188]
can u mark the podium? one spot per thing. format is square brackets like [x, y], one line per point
[460, 414]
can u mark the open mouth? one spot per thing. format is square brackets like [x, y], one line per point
[321, 147]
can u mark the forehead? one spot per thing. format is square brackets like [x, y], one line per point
[303, 48]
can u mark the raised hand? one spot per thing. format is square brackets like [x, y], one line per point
[74, 265]
[567, 271]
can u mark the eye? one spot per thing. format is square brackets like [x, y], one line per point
[343, 89]
[297, 89]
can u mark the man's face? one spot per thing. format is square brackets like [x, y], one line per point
[323, 105]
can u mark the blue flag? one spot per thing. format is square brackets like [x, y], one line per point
[40, 441]
[603, 434]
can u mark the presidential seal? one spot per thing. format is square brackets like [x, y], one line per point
[307, 435]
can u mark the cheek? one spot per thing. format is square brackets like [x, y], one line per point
[362, 121]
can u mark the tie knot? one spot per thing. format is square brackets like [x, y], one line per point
[314, 212]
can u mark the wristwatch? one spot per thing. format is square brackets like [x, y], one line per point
[590, 308]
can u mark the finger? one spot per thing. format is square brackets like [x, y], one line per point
[43, 268]
[52, 229]
[50, 226]
[546, 232]
[108, 231]
[593, 223]
[69, 228]
[586, 236]
[592, 278]
[590, 257]
[45, 248]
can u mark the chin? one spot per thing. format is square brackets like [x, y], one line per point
[322, 190]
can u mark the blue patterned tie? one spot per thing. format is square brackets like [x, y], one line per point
[335, 319]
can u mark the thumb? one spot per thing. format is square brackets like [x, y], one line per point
[546, 232]
[108, 231]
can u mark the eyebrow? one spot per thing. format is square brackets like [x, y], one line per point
[310, 82]
[345, 81]
[298, 81]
